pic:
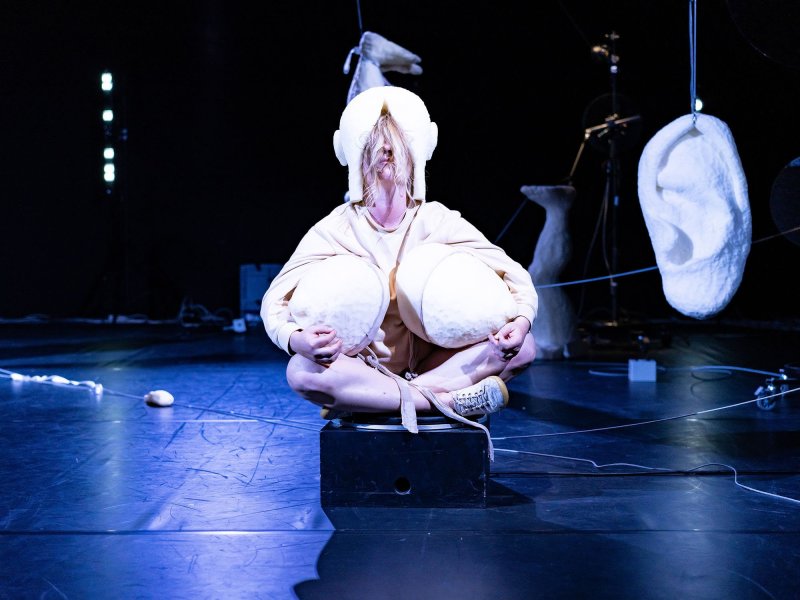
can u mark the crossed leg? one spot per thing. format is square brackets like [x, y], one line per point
[350, 384]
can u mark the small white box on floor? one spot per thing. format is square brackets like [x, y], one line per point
[641, 370]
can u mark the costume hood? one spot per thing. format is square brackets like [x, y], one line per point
[360, 116]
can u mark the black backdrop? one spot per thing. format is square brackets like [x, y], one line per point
[230, 109]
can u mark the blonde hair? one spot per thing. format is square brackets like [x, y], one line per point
[387, 131]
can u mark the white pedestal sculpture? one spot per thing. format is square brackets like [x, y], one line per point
[554, 327]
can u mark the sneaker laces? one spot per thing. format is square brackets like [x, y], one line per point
[449, 412]
[479, 399]
[408, 410]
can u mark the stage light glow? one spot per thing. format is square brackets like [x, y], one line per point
[106, 82]
[113, 132]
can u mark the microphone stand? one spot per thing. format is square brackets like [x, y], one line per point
[611, 129]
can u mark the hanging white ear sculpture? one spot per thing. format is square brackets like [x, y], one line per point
[360, 116]
[693, 194]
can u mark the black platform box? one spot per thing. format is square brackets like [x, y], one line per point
[369, 462]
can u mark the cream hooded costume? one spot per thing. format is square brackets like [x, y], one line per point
[365, 297]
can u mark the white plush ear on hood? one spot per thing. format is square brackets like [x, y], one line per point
[361, 114]
[693, 195]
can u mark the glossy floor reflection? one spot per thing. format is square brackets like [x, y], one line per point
[601, 487]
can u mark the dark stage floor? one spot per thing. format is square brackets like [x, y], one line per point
[219, 495]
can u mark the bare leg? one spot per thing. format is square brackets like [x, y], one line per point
[349, 384]
[447, 370]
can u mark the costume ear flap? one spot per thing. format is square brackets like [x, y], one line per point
[693, 194]
[433, 139]
[338, 149]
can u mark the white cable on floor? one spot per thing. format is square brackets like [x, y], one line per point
[597, 466]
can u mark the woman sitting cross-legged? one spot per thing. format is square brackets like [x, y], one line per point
[386, 137]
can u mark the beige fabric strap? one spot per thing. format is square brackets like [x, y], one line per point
[408, 412]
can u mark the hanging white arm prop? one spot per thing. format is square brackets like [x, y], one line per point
[377, 56]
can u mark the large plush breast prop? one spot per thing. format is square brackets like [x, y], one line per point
[693, 195]
[346, 293]
[451, 298]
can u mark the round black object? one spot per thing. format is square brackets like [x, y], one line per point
[769, 26]
[784, 201]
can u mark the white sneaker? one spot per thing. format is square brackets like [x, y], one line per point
[487, 396]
